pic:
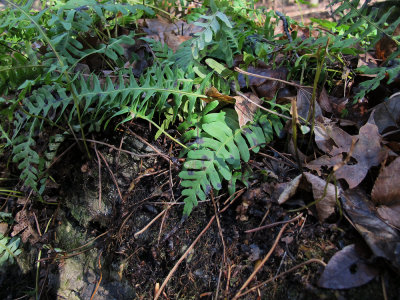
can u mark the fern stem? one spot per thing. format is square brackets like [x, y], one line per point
[311, 114]
[163, 131]
[44, 119]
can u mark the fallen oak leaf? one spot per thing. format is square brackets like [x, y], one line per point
[386, 193]
[367, 153]
[383, 240]
[246, 109]
[347, 269]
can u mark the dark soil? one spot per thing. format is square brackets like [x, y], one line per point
[145, 259]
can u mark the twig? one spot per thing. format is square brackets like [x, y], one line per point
[148, 144]
[101, 277]
[271, 78]
[261, 264]
[385, 297]
[182, 258]
[312, 260]
[263, 108]
[222, 240]
[37, 224]
[99, 166]
[273, 224]
[112, 176]
[121, 150]
[149, 224]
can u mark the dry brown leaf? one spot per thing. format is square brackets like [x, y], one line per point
[386, 190]
[212, 92]
[304, 106]
[386, 46]
[383, 240]
[173, 41]
[367, 153]
[347, 269]
[331, 139]
[386, 115]
[264, 87]
[289, 189]
[24, 226]
[386, 193]
[246, 109]
[324, 101]
[326, 205]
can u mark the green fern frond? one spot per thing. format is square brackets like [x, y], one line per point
[216, 149]
[17, 70]
[27, 158]
[9, 249]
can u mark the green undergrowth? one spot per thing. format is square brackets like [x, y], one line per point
[44, 87]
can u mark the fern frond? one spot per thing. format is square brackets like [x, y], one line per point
[216, 149]
[9, 249]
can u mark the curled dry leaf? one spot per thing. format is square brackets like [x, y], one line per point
[326, 204]
[324, 101]
[213, 93]
[246, 109]
[264, 87]
[288, 189]
[386, 193]
[347, 269]
[386, 116]
[304, 96]
[173, 41]
[383, 240]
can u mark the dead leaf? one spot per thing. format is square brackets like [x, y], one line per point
[386, 46]
[264, 87]
[246, 109]
[346, 269]
[383, 240]
[173, 41]
[212, 92]
[304, 106]
[24, 226]
[367, 60]
[331, 139]
[289, 189]
[324, 102]
[3, 228]
[386, 193]
[386, 115]
[326, 205]
[367, 153]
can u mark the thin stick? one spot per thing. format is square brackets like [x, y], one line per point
[312, 260]
[101, 277]
[149, 224]
[182, 258]
[148, 144]
[99, 166]
[261, 264]
[262, 107]
[222, 240]
[271, 78]
[273, 224]
[112, 176]
[121, 150]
